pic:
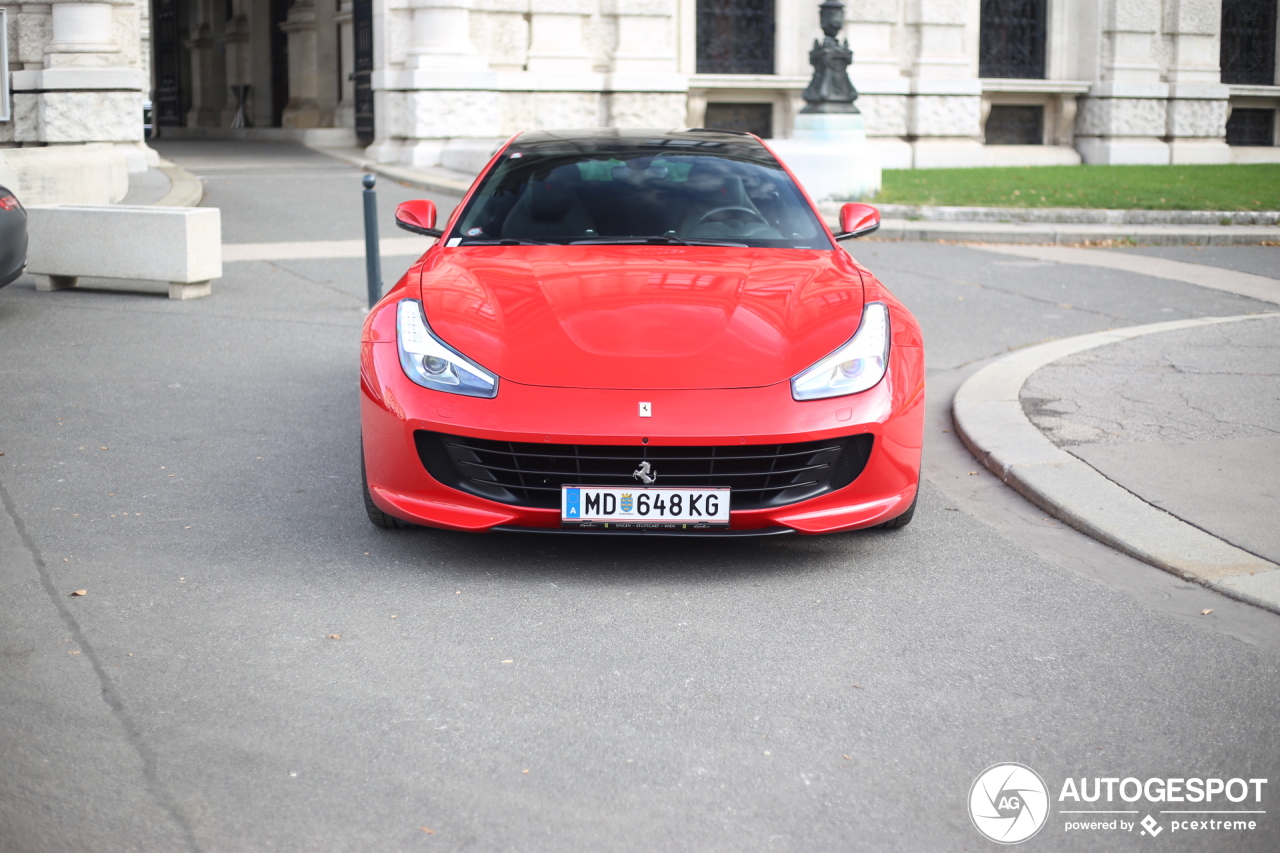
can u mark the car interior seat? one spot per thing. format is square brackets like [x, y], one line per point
[549, 209]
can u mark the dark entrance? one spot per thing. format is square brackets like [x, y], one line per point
[362, 34]
[279, 60]
[735, 36]
[167, 111]
[1012, 39]
[1249, 42]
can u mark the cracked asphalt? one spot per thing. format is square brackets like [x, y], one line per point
[1187, 420]
[193, 466]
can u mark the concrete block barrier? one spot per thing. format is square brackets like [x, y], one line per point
[181, 246]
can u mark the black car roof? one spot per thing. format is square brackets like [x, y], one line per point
[728, 143]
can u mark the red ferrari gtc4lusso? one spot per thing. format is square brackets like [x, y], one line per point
[629, 331]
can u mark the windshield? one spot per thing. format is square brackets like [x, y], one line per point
[630, 193]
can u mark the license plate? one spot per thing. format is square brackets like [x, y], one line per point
[623, 508]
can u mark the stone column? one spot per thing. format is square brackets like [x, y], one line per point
[447, 92]
[239, 70]
[944, 110]
[302, 110]
[876, 71]
[645, 88]
[1123, 118]
[555, 37]
[208, 70]
[441, 38]
[344, 114]
[86, 91]
[1196, 121]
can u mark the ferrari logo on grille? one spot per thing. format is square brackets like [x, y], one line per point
[646, 410]
[626, 502]
[645, 474]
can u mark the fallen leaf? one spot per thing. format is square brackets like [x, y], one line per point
[65, 560]
[847, 758]
[395, 615]
[427, 831]
[458, 592]
[971, 473]
[524, 771]
[1206, 612]
[130, 654]
[334, 637]
[102, 448]
[80, 592]
[859, 686]
[73, 653]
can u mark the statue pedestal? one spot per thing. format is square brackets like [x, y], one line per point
[830, 155]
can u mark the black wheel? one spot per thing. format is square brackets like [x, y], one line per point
[904, 519]
[377, 516]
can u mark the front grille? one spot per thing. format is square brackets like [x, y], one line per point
[528, 474]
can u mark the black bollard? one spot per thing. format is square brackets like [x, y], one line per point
[372, 257]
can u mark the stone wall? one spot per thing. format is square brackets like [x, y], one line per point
[77, 74]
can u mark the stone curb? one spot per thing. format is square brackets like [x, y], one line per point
[1069, 215]
[1014, 232]
[990, 421]
[185, 189]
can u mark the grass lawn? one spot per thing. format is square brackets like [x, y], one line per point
[1243, 187]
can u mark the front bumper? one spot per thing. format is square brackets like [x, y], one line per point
[393, 408]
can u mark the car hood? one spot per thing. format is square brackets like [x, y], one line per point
[642, 317]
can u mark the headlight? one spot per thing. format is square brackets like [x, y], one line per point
[431, 362]
[856, 366]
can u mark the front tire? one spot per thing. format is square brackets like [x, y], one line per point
[377, 516]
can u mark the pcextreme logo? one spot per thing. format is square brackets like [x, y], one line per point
[1009, 803]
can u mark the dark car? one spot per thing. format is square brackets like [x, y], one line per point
[13, 237]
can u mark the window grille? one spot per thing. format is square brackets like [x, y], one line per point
[751, 118]
[1249, 42]
[1015, 125]
[1251, 127]
[735, 36]
[1012, 39]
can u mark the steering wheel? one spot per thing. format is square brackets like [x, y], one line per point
[754, 214]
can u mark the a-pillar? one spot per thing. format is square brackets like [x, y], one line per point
[302, 110]
[1123, 119]
[645, 88]
[1196, 122]
[944, 109]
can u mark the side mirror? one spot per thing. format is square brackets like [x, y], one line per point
[418, 216]
[857, 220]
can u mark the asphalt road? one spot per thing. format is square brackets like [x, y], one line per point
[193, 466]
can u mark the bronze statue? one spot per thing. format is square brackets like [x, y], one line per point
[830, 90]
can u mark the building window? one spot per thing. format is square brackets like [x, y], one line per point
[735, 36]
[751, 118]
[1249, 42]
[1011, 43]
[1251, 127]
[1010, 125]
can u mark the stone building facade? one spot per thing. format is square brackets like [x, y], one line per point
[438, 82]
[78, 73]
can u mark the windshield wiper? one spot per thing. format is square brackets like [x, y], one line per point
[663, 240]
[506, 241]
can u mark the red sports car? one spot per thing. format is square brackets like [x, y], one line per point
[630, 331]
